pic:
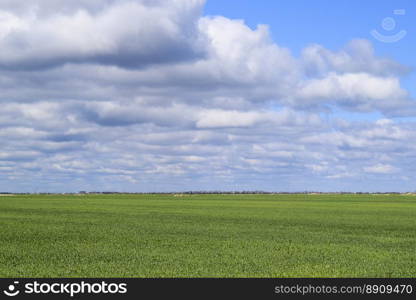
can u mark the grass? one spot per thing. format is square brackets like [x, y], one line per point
[208, 236]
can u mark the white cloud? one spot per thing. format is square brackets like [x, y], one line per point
[243, 55]
[124, 34]
[358, 91]
[221, 118]
[381, 169]
[357, 57]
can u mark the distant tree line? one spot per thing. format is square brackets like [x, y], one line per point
[209, 192]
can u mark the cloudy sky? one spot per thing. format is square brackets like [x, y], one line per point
[153, 95]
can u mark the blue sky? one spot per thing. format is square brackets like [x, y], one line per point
[298, 23]
[160, 96]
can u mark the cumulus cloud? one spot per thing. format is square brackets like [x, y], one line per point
[141, 95]
[241, 55]
[357, 57]
[131, 34]
[356, 91]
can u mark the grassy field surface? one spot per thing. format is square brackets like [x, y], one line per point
[208, 236]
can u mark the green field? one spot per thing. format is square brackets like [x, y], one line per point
[208, 236]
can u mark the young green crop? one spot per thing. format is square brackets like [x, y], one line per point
[208, 236]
